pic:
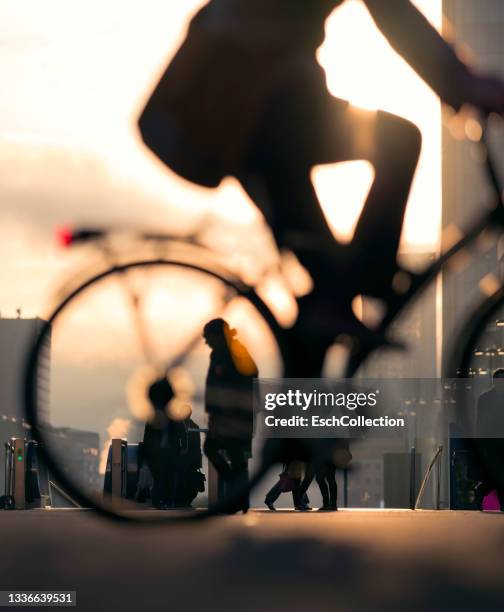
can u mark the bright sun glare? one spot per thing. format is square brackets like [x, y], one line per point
[77, 60]
[75, 75]
[379, 79]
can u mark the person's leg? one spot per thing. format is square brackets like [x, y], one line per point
[305, 127]
[305, 484]
[296, 498]
[324, 489]
[229, 460]
[172, 479]
[239, 479]
[215, 453]
[242, 482]
[394, 155]
[154, 463]
[330, 473]
[164, 477]
[183, 487]
[157, 484]
[221, 487]
[274, 493]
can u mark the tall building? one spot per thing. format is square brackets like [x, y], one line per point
[476, 27]
[15, 338]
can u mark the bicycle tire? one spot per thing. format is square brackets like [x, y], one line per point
[29, 384]
[459, 364]
[460, 354]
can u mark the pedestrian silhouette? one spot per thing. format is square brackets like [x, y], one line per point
[229, 404]
[163, 443]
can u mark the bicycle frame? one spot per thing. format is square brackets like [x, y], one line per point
[493, 219]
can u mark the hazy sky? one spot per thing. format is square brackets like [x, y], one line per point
[74, 75]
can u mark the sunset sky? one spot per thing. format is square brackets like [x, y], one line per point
[74, 76]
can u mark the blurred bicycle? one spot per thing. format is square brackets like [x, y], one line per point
[136, 317]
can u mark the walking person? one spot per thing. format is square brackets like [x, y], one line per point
[334, 453]
[229, 405]
[288, 480]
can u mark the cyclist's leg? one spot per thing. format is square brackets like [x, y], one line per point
[394, 155]
[305, 127]
[276, 175]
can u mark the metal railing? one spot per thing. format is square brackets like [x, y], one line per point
[434, 462]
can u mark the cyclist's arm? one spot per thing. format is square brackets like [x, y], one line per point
[419, 43]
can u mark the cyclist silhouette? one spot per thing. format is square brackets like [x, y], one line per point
[244, 96]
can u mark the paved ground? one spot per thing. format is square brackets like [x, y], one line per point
[393, 561]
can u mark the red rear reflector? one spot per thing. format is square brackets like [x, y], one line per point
[64, 236]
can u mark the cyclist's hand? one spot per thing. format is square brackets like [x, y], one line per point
[487, 94]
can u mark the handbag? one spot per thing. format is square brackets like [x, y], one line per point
[287, 482]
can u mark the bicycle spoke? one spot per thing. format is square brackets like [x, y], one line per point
[141, 328]
[194, 340]
[168, 303]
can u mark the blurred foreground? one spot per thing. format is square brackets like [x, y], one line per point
[390, 560]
